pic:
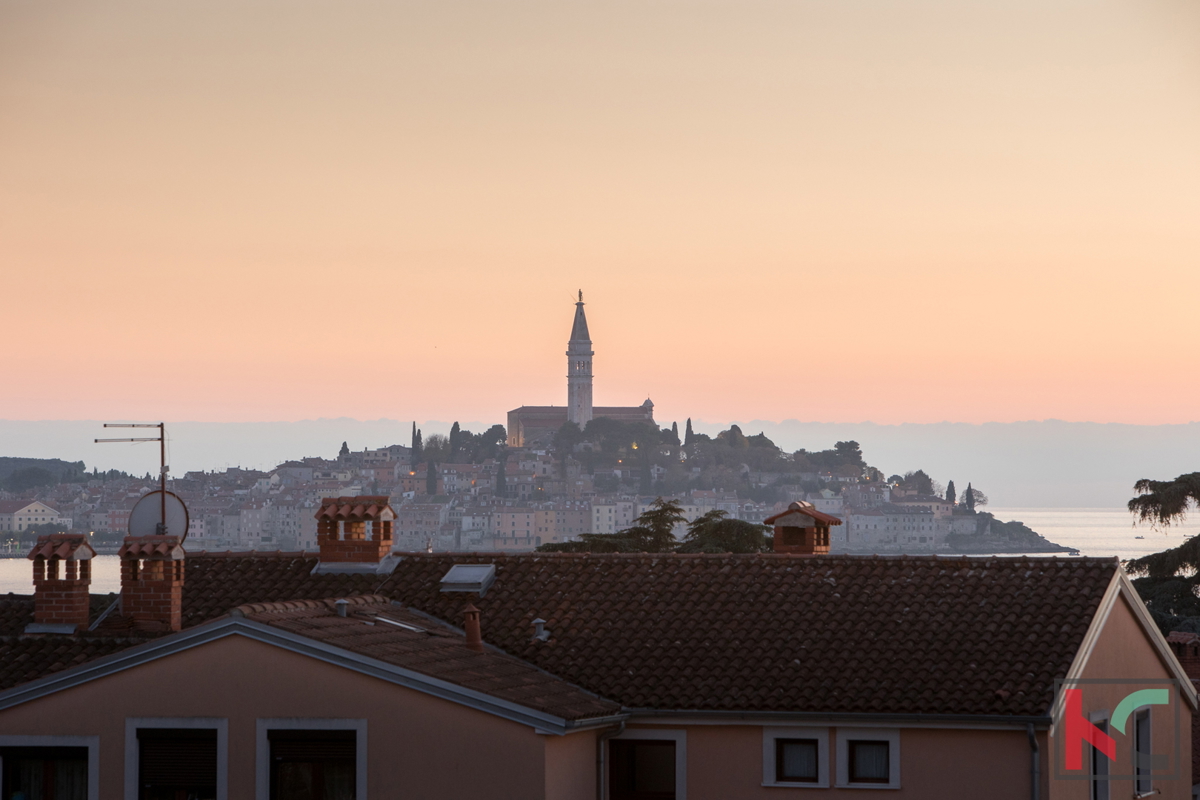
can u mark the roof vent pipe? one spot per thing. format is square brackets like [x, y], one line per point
[471, 628]
[341, 606]
[540, 634]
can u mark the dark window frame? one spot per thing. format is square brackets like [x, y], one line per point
[781, 775]
[186, 739]
[622, 748]
[852, 756]
[1143, 782]
[11, 755]
[1098, 786]
[290, 738]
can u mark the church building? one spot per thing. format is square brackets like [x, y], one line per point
[530, 424]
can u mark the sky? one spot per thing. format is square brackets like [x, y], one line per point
[895, 211]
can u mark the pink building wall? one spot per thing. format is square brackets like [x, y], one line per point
[726, 761]
[419, 746]
[1116, 657]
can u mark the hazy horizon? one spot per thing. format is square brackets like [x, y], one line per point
[1049, 464]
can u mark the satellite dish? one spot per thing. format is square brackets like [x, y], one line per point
[147, 516]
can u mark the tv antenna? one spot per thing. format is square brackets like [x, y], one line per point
[172, 513]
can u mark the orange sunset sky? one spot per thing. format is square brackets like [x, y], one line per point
[833, 210]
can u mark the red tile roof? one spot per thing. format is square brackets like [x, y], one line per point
[808, 509]
[372, 628]
[822, 634]
[358, 509]
[61, 545]
[833, 634]
[150, 547]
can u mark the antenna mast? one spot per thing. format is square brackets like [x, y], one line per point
[162, 454]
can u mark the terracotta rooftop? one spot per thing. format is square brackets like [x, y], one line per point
[834, 634]
[766, 632]
[809, 510]
[377, 628]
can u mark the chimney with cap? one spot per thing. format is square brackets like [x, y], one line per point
[62, 576]
[355, 530]
[152, 582]
[471, 628]
[802, 529]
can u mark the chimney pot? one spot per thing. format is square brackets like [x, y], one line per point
[341, 606]
[472, 629]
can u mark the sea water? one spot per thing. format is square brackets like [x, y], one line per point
[1091, 531]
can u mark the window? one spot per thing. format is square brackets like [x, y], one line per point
[868, 761]
[313, 765]
[868, 757]
[44, 773]
[796, 760]
[1141, 752]
[1099, 766]
[311, 759]
[648, 764]
[642, 769]
[176, 758]
[175, 763]
[797, 757]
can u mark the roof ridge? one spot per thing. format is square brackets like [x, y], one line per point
[297, 605]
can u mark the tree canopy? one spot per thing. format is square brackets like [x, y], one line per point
[652, 532]
[29, 478]
[714, 532]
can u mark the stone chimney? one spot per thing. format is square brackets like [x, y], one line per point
[355, 530]
[62, 575]
[152, 582]
[802, 529]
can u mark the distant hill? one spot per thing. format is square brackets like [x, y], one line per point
[64, 471]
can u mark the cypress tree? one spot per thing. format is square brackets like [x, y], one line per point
[416, 449]
[501, 480]
[969, 498]
[455, 435]
[687, 433]
[345, 451]
[431, 479]
[951, 495]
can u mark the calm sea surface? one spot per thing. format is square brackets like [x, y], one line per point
[1092, 531]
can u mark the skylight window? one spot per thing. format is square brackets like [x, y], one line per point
[469, 578]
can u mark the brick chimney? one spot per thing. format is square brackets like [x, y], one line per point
[152, 582]
[802, 529]
[62, 575]
[356, 530]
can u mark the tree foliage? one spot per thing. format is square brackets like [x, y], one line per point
[951, 494]
[1165, 503]
[652, 532]
[714, 532]
[29, 478]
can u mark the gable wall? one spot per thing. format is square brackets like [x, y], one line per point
[419, 746]
[1124, 652]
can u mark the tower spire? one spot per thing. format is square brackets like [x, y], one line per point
[579, 369]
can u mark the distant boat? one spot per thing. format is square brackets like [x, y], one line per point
[1139, 537]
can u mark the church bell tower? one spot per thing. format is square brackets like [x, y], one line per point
[579, 370]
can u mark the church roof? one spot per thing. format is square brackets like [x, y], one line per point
[579, 331]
